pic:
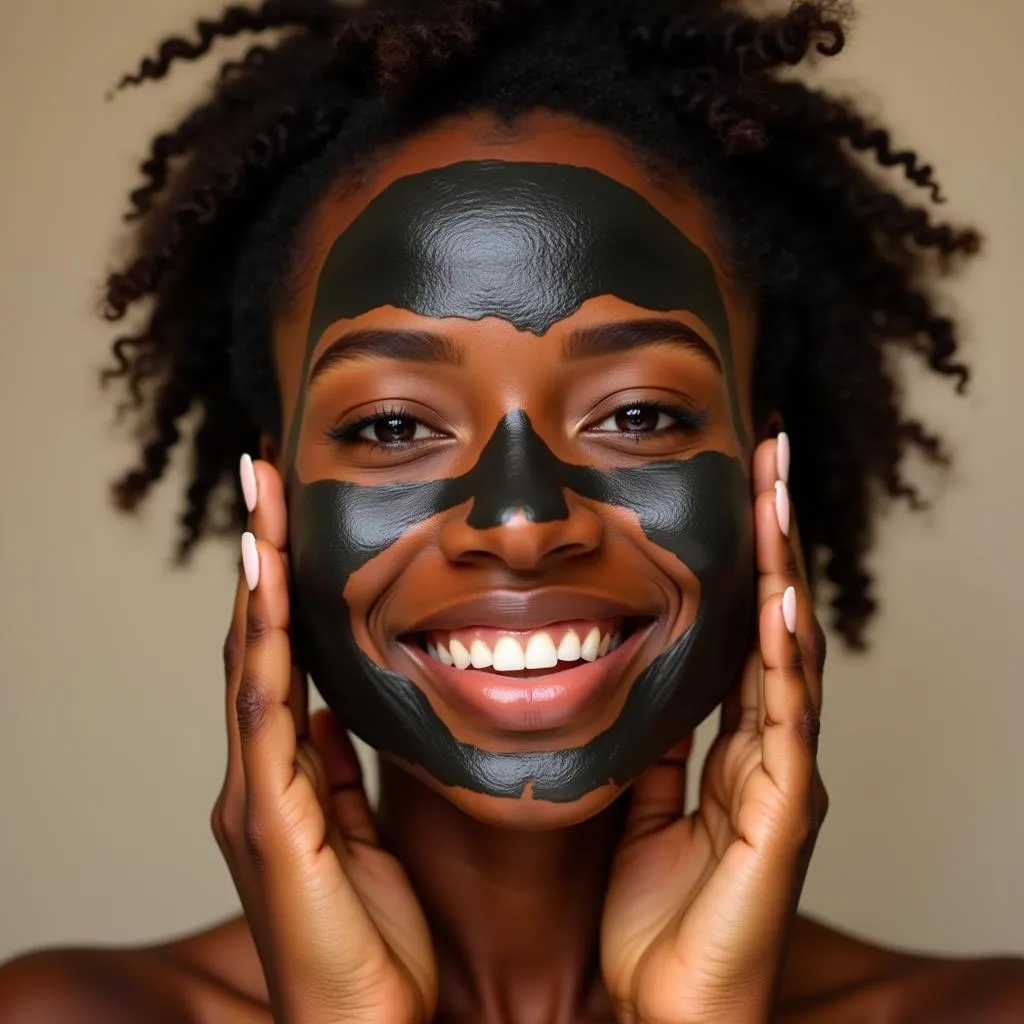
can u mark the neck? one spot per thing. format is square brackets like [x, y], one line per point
[515, 915]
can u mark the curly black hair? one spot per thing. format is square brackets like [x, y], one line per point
[841, 263]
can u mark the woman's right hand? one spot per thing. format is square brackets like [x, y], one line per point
[338, 929]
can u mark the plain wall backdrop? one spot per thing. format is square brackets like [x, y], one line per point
[111, 710]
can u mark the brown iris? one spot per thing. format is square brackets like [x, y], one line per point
[394, 429]
[637, 419]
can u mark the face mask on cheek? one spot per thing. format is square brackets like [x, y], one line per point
[529, 243]
[697, 509]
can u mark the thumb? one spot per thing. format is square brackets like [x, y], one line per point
[352, 813]
[659, 795]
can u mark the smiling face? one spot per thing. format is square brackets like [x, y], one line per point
[515, 382]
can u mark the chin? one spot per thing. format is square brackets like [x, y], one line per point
[523, 814]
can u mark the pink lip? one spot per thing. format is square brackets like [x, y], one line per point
[537, 704]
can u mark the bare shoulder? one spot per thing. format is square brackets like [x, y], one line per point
[212, 977]
[839, 979]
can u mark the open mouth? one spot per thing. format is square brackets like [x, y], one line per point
[529, 679]
[527, 653]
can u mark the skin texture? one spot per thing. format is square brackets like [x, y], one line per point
[391, 596]
[695, 510]
[215, 977]
[527, 244]
[522, 897]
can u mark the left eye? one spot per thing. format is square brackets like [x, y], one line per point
[637, 419]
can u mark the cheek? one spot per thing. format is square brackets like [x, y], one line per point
[350, 549]
[373, 591]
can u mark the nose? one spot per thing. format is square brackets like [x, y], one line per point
[521, 543]
[523, 512]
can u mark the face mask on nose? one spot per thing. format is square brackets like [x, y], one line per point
[529, 243]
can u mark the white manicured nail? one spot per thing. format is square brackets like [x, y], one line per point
[248, 476]
[782, 506]
[789, 609]
[782, 457]
[250, 560]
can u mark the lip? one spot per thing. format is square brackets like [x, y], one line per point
[536, 704]
[520, 610]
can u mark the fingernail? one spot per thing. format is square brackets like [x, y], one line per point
[782, 457]
[247, 472]
[250, 560]
[789, 609]
[782, 506]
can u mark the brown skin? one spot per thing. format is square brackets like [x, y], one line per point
[492, 909]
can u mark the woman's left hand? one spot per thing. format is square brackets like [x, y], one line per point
[699, 906]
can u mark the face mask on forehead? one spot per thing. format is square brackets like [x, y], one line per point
[529, 243]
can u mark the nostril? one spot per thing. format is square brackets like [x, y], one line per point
[523, 537]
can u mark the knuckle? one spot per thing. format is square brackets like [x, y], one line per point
[256, 628]
[806, 827]
[823, 802]
[255, 837]
[219, 825]
[231, 652]
[817, 648]
[801, 823]
[251, 707]
[809, 726]
[217, 822]
[226, 808]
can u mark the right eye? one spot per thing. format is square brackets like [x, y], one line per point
[388, 428]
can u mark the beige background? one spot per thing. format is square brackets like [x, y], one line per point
[111, 740]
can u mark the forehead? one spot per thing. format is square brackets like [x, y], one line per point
[537, 138]
[540, 138]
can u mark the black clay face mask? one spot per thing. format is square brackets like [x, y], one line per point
[529, 243]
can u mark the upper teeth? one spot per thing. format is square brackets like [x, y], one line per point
[535, 650]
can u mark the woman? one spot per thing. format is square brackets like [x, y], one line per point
[534, 315]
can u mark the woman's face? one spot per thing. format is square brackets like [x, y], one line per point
[516, 383]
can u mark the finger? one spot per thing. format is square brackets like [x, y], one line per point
[746, 709]
[265, 724]
[776, 565]
[780, 569]
[773, 516]
[298, 701]
[658, 797]
[264, 488]
[234, 648]
[344, 779]
[767, 463]
[792, 725]
[743, 707]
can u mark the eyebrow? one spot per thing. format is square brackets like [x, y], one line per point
[582, 343]
[377, 343]
[626, 335]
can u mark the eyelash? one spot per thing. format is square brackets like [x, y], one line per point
[348, 433]
[684, 419]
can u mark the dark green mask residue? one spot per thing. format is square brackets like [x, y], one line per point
[529, 243]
